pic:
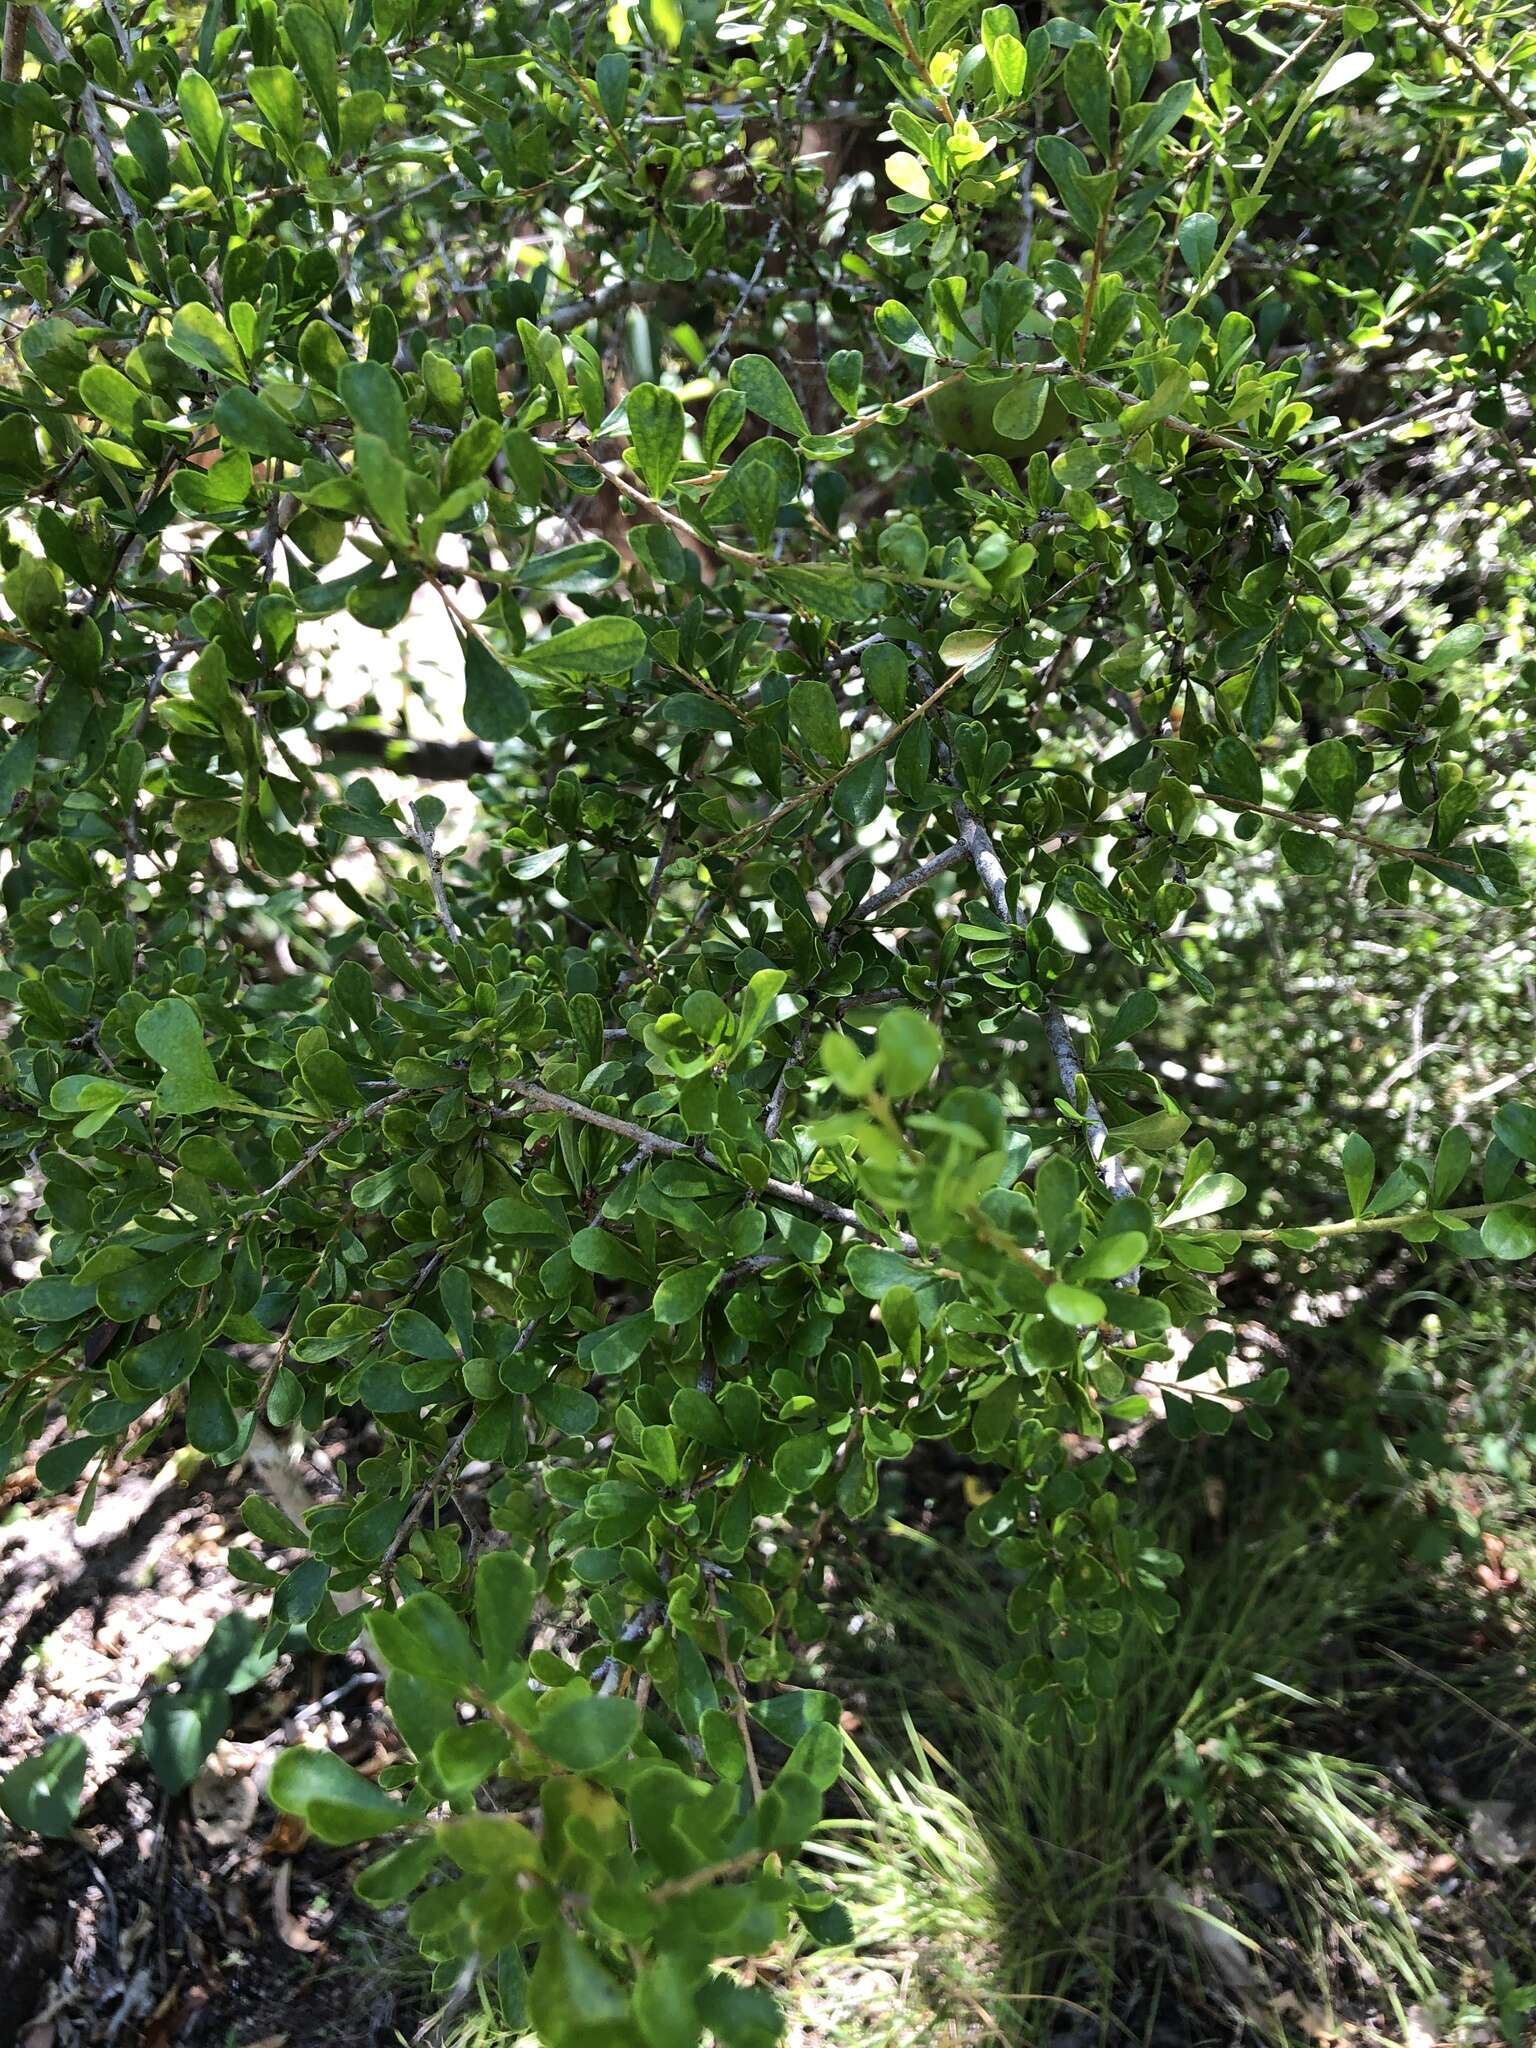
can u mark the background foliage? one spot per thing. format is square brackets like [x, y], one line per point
[960, 531]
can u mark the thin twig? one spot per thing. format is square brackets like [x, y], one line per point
[307, 1159]
[447, 1463]
[733, 1679]
[422, 833]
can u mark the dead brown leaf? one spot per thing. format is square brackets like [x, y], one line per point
[291, 1932]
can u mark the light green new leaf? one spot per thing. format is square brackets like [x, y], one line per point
[247, 422]
[279, 99]
[1211, 1193]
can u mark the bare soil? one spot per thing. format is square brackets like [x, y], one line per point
[187, 1921]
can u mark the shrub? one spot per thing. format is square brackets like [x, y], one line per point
[890, 480]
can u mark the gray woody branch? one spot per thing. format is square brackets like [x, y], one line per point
[1058, 1033]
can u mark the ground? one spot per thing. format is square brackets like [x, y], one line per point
[190, 1920]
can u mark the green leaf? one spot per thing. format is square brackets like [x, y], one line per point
[505, 1589]
[587, 1734]
[874, 1271]
[764, 387]
[574, 1999]
[895, 324]
[656, 423]
[1514, 1125]
[814, 714]
[967, 651]
[818, 1755]
[424, 1638]
[1074, 1305]
[181, 1731]
[798, 1464]
[758, 1003]
[495, 706]
[247, 422]
[171, 1032]
[1086, 77]
[1021, 408]
[1460, 644]
[1211, 1193]
[910, 1050]
[584, 568]
[279, 99]
[666, 2004]
[598, 1251]
[372, 395]
[42, 1794]
[607, 646]
[1510, 1232]
[336, 1803]
[682, 1294]
[465, 1757]
[200, 109]
[1359, 1163]
[860, 795]
[1344, 70]
[570, 1410]
[1453, 1160]
[790, 1715]
[211, 1424]
[1112, 1257]
[1332, 773]
[1137, 1012]
[51, 1300]
[314, 46]
[1198, 233]
[420, 1336]
[389, 1879]
[200, 338]
[113, 399]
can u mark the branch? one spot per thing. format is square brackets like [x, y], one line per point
[18, 19]
[610, 1672]
[307, 1159]
[816, 789]
[1354, 1226]
[447, 1463]
[422, 833]
[924, 872]
[1207, 436]
[1456, 48]
[1058, 1032]
[623, 291]
[653, 1141]
[1308, 821]
[425, 760]
[90, 112]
